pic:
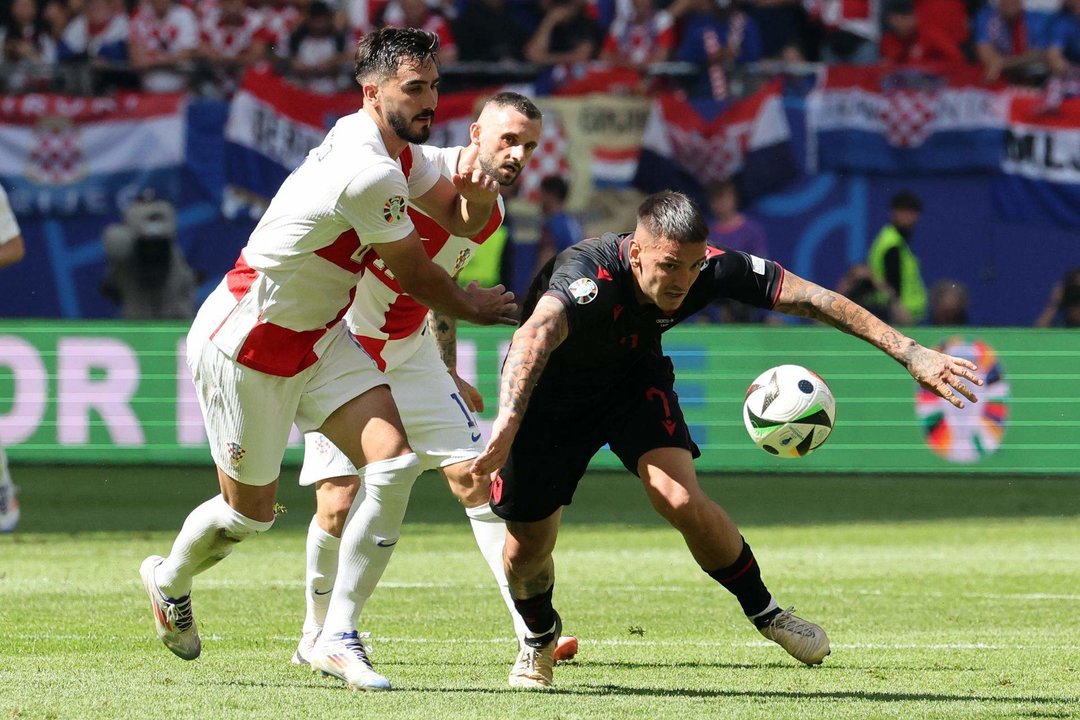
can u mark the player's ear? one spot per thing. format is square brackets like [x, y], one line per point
[474, 133]
[370, 91]
[634, 253]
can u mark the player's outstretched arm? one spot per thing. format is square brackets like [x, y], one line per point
[940, 373]
[530, 349]
[433, 287]
[444, 329]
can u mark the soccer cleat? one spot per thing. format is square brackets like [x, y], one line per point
[534, 667]
[345, 657]
[803, 640]
[566, 649]
[173, 619]
[9, 508]
[306, 648]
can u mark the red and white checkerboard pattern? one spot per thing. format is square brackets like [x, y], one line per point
[550, 157]
[908, 116]
[708, 158]
[57, 158]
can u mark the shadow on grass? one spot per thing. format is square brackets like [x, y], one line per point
[126, 498]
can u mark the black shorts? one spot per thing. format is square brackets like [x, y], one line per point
[553, 448]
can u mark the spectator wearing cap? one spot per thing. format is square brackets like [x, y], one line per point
[891, 259]
[905, 41]
[1008, 39]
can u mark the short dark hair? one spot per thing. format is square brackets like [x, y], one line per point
[381, 53]
[900, 7]
[906, 200]
[555, 185]
[674, 216]
[518, 102]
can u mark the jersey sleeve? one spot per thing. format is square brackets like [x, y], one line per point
[587, 299]
[374, 204]
[9, 226]
[743, 277]
[444, 159]
[424, 173]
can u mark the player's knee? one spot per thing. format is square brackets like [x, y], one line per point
[469, 491]
[674, 503]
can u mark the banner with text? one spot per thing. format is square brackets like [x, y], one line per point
[63, 156]
[109, 392]
[1040, 173]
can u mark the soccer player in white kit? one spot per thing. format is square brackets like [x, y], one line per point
[419, 360]
[268, 347]
[12, 250]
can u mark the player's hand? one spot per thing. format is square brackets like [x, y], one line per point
[472, 397]
[493, 306]
[497, 451]
[944, 375]
[476, 186]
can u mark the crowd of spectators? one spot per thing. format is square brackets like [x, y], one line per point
[163, 45]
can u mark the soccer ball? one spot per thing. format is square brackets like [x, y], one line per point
[789, 411]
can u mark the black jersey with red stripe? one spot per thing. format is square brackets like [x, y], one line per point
[610, 329]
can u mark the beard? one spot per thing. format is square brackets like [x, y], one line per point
[403, 130]
[496, 172]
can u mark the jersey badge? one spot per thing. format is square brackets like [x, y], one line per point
[583, 290]
[235, 452]
[394, 209]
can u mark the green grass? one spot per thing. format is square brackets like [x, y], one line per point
[943, 597]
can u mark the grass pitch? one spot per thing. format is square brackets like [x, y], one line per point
[943, 598]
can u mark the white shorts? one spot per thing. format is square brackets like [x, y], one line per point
[440, 428]
[249, 414]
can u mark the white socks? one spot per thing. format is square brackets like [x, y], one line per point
[207, 537]
[371, 531]
[490, 533]
[322, 562]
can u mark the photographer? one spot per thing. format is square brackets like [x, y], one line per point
[148, 275]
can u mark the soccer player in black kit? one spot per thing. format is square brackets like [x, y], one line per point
[588, 364]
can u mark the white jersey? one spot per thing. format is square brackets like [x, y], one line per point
[298, 273]
[9, 226]
[387, 322]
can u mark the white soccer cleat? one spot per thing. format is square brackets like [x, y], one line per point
[534, 667]
[345, 657]
[803, 640]
[9, 508]
[306, 648]
[173, 618]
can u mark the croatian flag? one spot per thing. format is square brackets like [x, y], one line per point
[1040, 174]
[884, 119]
[62, 156]
[271, 127]
[686, 146]
[273, 124]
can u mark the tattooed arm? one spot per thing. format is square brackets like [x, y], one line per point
[533, 344]
[444, 329]
[937, 372]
